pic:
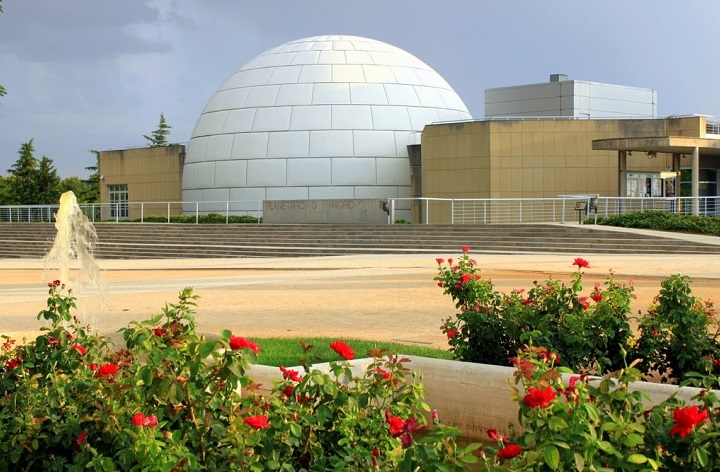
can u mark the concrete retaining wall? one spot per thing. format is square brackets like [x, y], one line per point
[362, 211]
[471, 397]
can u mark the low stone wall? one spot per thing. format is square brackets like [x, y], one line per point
[353, 211]
[472, 397]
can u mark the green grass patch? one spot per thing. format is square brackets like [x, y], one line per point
[289, 351]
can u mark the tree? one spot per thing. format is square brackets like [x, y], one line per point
[159, 136]
[91, 186]
[47, 182]
[23, 185]
[5, 191]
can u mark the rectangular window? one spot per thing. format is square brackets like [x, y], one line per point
[118, 201]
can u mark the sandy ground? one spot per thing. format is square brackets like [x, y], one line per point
[389, 298]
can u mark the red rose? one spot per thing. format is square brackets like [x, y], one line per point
[79, 348]
[581, 263]
[539, 397]
[237, 342]
[82, 438]
[289, 374]
[596, 296]
[106, 370]
[396, 424]
[343, 349]
[13, 363]
[257, 422]
[510, 451]
[452, 333]
[465, 278]
[465, 249]
[138, 419]
[159, 332]
[383, 372]
[440, 260]
[288, 391]
[686, 419]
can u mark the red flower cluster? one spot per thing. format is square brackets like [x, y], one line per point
[385, 374]
[686, 419]
[159, 332]
[106, 370]
[451, 334]
[237, 342]
[581, 263]
[343, 349]
[539, 397]
[80, 349]
[140, 420]
[403, 428]
[465, 249]
[510, 451]
[289, 374]
[81, 439]
[257, 421]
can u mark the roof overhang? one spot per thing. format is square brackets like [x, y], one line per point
[668, 144]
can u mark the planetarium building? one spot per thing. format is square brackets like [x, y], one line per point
[326, 117]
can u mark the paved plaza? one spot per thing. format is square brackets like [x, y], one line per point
[380, 297]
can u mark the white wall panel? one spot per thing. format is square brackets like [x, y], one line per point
[288, 144]
[332, 57]
[203, 175]
[379, 74]
[247, 194]
[406, 75]
[353, 171]
[314, 74]
[392, 171]
[351, 117]
[219, 147]
[331, 94]
[402, 95]
[285, 75]
[311, 117]
[197, 146]
[374, 143]
[331, 193]
[305, 57]
[266, 173]
[287, 193]
[294, 94]
[419, 117]
[272, 119]
[347, 73]
[235, 98]
[262, 96]
[334, 143]
[375, 192]
[429, 97]
[230, 174]
[250, 146]
[391, 118]
[308, 172]
[368, 94]
[239, 120]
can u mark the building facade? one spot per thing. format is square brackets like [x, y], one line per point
[146, 175]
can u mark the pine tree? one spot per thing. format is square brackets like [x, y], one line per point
[159, 136]
[23, 185]
[47, 182]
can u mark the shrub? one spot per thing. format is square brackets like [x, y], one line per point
[580, 423]
[170, 400]
[588, 333]
[664, 221]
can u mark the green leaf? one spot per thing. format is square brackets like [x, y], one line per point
[702, 456]
[557, 424]
[552, 457]
[206, 348]
[636, 459]
[633, 439]
[579, 462]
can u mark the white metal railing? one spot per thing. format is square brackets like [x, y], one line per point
[562, 209]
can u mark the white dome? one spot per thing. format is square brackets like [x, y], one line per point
[317, 118]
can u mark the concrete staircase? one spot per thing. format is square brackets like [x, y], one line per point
[158, 241]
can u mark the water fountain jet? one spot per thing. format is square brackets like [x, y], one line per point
[76, 239]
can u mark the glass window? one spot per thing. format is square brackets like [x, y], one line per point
[118, 201]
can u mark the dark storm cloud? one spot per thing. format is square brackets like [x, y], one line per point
[78, 31]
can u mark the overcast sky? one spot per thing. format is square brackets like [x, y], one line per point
[96, 74]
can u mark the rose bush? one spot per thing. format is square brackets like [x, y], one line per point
[577, 422]
[588, 332]
[169, 400]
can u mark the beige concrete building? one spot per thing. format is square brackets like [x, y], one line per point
[535, 158]
[145, 175]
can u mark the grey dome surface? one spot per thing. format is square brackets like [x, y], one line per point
[317, 118]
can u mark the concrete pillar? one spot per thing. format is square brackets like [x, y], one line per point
[696, 180]
[622, 173]
[676, 181]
